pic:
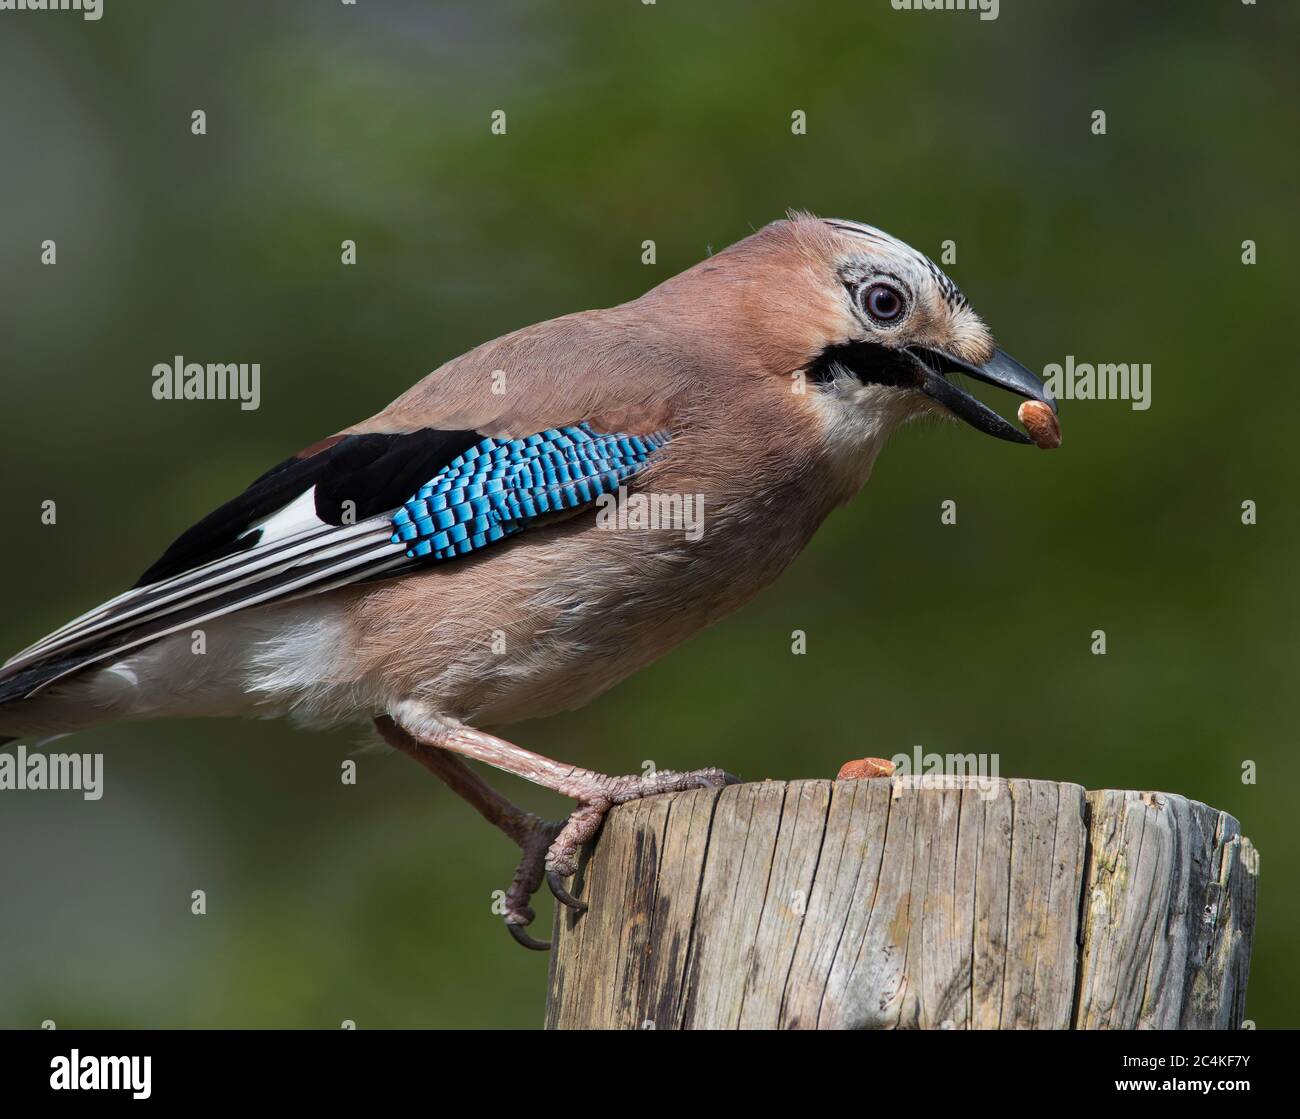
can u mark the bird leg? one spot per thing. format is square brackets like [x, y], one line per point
[532, 834]
[596, 793]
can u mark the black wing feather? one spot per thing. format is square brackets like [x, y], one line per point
[375, 472]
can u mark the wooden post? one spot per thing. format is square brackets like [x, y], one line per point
[885, 903]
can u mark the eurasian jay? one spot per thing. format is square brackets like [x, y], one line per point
[443, 566]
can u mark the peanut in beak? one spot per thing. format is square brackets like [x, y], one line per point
[1041, 423]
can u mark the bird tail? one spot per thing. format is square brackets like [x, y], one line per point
[19, 683]
[66, 692]
[66, 689]
[77, 689]
[62, 710]
[51, 695]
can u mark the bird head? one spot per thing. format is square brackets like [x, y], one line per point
[876, 325]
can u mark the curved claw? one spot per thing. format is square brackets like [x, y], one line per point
[520, 933]
[562, 895]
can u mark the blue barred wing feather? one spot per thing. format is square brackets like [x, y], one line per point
[498, 487]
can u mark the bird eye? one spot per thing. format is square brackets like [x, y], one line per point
[882, 302]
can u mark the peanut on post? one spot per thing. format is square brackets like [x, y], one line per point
[865, 767]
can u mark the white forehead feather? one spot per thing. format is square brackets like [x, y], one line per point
[950, 291]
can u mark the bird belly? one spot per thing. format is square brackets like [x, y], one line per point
[555, 620]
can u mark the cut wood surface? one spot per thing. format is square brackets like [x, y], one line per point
[932, 903]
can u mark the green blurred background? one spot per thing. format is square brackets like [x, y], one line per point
[626, 122]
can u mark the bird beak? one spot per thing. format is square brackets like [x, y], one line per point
[1003, 371]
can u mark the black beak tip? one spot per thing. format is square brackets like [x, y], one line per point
[1002, 371]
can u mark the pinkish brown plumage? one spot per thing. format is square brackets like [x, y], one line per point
[759, 385]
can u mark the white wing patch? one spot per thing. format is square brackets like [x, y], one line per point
[297, 517]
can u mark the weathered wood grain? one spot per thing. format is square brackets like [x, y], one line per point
[948, 903]
[1169, 912]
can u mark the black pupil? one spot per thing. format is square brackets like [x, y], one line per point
[884, 302]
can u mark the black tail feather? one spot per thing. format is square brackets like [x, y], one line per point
[27, 680]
